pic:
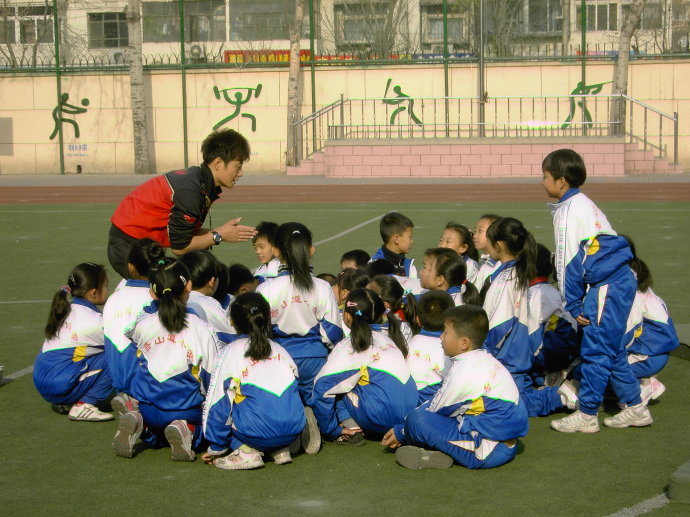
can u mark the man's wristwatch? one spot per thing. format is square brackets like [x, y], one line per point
[216, 237]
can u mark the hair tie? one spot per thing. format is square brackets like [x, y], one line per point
[161, 262]
[296, 232]
[184, 280]
[358, 313]
[387, 310]
[350, 304]
[253, 309]
[167, 290]
[66, 289]
[153, 288]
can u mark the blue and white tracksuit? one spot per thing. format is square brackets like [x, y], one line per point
[456, 293]
[71, 367]
[407, 263]
[306, 324]
[487, 267]
[173, 371]
[509, 338]
[268, 270]
[472, 268]
[210, 310]
[475, 411]
[654, 335]
[427, 362]
[251, 402]
[596, 282]
[119, 313]
[553, 331]
[373, 387]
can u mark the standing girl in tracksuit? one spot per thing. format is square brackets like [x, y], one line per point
[253, 403]
[177, 352]
[365, 386]
[71, 367]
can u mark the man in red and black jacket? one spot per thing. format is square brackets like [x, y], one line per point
[172, 208]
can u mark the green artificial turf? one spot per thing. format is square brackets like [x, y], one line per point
[52, 466]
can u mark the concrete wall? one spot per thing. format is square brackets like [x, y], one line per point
[27, 103]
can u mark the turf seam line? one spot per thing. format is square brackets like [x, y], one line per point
[646, 506]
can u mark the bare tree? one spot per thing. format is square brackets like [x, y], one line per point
[565, 36]
[620, 70]
[500, 24]
[35, 27]
[142, 164]
[293, 99]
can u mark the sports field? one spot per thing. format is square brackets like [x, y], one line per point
[52, 466]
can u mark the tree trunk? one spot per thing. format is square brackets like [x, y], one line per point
[293, 100]
[142, 163]
[620, 70]
[565, 36]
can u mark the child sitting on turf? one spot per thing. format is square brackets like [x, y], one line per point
[357, 259]
[177, 352]
[253, 404]
[445, 270]
[425, 357]
[396, 232]
[365, 386]
[120, 311]
[487, 265]
[264, 247]
[475, 417]
[71, 367]
[459, 238]
[348, 280]
[241, 280]
[398, 303]
[204, 272]
[598, 288]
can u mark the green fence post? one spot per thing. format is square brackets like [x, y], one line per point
[58, 79]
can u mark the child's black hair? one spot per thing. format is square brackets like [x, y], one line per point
[267, 230]
[83, 278]
[431, 308]
[223, 284]
[490, 217]
[393, 293]
[202, 266]
[294, 242]
[644, 275]
[394, 223]
[251, 315]
[352, 278]
[454, 270]
[566, 163]
[143, 253]
[520, 243]
[328, 277]
[168, 280]
[544, 263]
[366, 308]
[226, 144]
[239, 275]
[360, 257]
[380, 267]
[466, 237]
[469, 321]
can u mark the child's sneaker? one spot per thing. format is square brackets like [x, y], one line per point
[416, 458]
[311, 436]
[123, 403]
[354, 440]
[631, 416]
[651, 389]
[85, 412]
[129, 428]
[180, 439]
[577, 422]
[568, 393]
[61, 409]
[282, 456]
[244, 458]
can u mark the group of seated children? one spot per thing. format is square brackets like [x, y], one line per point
[443, 366]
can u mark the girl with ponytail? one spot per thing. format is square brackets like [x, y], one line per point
[365, 386]
[176, 352]
[506, 305]
[398, 303]
[255, 387]
[71, 368]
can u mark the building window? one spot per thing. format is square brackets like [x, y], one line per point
[651, 17]
[263, 20]
[107, 30]
[600, 17]
[545, 16]
[35, 24]
[359, 24]
[432, 26]
[204, 21]
[7, 28]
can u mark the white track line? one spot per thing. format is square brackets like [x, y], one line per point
[349, 230]
[24, 301]
[646, 506]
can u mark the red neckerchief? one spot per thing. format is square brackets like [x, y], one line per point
[539, 280]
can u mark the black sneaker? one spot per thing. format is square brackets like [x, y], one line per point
[416, 458]
[355, 440]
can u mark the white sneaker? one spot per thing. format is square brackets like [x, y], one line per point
[578, 422]
[123, 403]
[282, 456]
[244, 458]
[180, 439]
[568, 393]
[651, 389]
[86, 412]
[129, 429]
[311, 436]
[631, 416]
